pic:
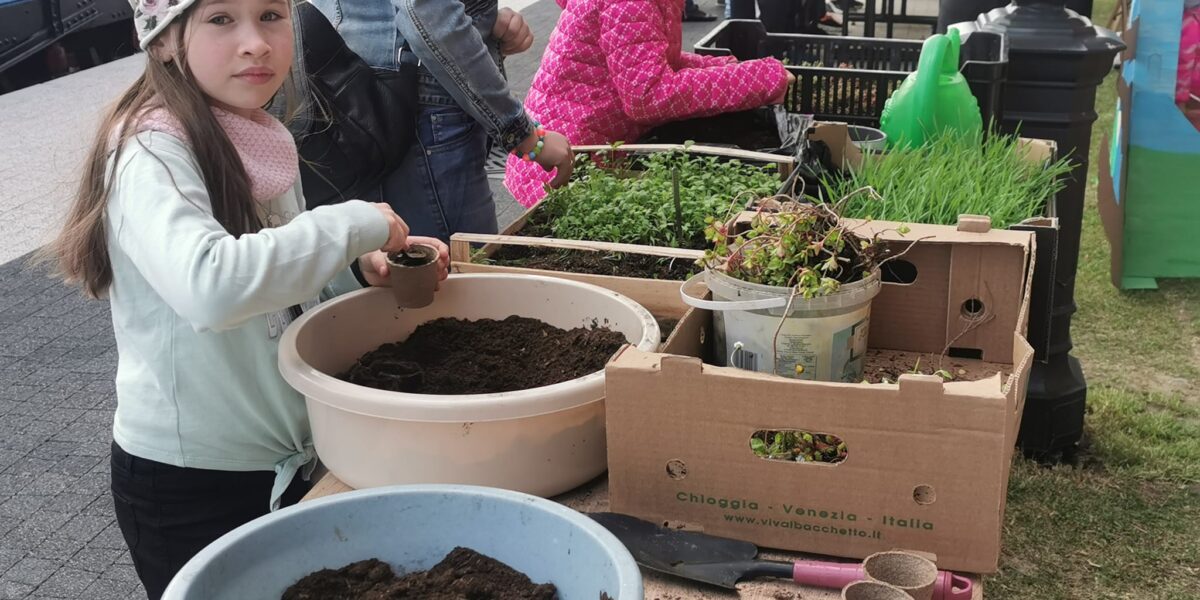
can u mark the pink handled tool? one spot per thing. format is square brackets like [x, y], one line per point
[725, 562]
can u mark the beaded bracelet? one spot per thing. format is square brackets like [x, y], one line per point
[541, 143]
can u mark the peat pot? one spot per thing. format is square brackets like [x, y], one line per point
[542, 441]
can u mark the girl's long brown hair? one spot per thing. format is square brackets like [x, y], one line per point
[80, 251]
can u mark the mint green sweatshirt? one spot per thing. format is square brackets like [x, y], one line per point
[197, 313]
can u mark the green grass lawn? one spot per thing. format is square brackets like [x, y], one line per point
[1125, 521]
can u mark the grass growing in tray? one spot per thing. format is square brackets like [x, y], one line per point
[950, 176]
[633, 202]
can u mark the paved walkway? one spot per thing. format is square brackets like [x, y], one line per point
[58, 536]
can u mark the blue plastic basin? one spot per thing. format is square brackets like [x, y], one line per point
[412, 527]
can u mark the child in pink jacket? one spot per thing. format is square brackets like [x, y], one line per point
[1187, 81]
[614, 69]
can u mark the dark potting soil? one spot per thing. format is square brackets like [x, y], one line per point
[590, 262]
[463, 575]
[457, 356]
[595, 263]
[413, 259]
[748, 130]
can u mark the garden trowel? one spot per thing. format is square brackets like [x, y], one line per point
[725, 562]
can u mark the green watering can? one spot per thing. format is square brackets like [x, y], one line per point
[932, 100]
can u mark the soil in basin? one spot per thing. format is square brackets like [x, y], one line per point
[457, 356]
[588, 261]
[464, 574]
[594, 263]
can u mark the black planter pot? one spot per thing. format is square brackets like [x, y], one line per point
[1057, 58]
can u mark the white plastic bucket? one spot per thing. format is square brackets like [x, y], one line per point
[867, 138]
[822, 338]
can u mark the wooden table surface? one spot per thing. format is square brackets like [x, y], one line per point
[593, 497]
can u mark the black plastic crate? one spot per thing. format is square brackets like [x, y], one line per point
[850, 78]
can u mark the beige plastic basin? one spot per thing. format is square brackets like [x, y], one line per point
[542, 441]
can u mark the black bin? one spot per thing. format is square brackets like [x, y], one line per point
[849, 79]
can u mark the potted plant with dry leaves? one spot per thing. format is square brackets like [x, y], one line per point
[792, 292]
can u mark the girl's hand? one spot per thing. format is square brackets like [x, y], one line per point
[512, 32]
[374, 268]
[397, 229]
[783, 95]
[556, 154]
[374, 265]
[443, 253]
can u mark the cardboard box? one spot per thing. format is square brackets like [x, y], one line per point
[927, 461]
[843, 152]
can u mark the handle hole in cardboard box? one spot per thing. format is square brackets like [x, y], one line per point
[799, 446]
[899, 272]
[676, 469]
[924, 494]
[973, 309]
[969, 353]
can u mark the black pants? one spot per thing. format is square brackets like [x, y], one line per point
[742, 9]
[791, 16]
[168, 514]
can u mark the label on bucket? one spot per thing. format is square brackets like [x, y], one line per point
[848, 350]
[827, 348]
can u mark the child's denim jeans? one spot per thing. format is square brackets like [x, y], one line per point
[441, 188]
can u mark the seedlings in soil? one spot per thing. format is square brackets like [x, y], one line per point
[802, 246]
[944, 374]
[660, 199]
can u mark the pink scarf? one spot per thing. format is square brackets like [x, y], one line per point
[265, 146]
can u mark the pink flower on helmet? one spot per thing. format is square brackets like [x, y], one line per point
[154, 8]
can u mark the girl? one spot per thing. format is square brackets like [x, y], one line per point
[189, 220]
[441, 186]
[613, 70]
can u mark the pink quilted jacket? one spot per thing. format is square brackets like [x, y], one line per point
[613, 70]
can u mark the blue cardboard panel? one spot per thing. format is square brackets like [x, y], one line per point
[1116, 158]
[1156, 122]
